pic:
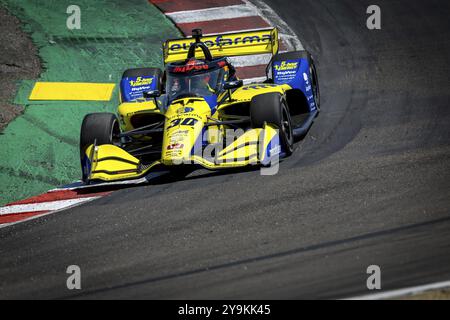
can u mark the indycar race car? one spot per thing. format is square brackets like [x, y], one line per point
[198, 113]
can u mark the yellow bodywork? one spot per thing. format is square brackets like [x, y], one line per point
[109, 162]
[185, 120]
[127, 110]
[225, 45]
[189, 135]
[247, 92]
[182, 137]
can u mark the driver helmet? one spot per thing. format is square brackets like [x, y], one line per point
[176, 85]
[206, 76]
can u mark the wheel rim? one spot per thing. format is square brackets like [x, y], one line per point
[286, 125]
[314, 85]
[115, 130]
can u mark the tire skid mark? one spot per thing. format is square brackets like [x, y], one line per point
[42, 126]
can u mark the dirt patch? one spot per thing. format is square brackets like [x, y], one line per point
[18, 61]
[443, 294]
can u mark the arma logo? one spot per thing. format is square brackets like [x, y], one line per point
[220, 41]
[141, 82]
[286, 66]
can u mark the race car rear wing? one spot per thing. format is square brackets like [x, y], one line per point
[225, 45]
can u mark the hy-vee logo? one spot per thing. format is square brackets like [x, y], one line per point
[220, 41]
[191, 68]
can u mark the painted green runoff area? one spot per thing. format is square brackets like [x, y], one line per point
[39, 150]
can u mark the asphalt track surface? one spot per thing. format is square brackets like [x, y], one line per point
[370, 184]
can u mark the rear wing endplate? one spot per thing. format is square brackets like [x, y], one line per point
[225, 45]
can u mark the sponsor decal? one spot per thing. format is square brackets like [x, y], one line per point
[307, 84]
[184, 110]
[140, 81]
[259, 86]
[285, 71]
[221, 42]
[140, 89]
[197, 67]
[132, 87]
[185, 115]
[308, 89]
[174, 153]
[275, 150]
[178, 136]
[286, 66]
[175, 146]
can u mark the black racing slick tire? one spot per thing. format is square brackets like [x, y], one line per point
[271, 108]
[101, 128]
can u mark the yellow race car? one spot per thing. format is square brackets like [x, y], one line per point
[198, 113]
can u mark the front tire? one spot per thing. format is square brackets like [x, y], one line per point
[101, 128]
[271, 108]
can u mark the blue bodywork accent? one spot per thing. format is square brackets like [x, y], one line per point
[199, 144]
[300, 131]
[212, 102]
[132, 92]
[274, 144]
[266, 160]
[204, 141]
[86, 167]
[296, 74]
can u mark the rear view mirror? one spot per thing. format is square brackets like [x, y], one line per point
[233, 84]
[151, 94]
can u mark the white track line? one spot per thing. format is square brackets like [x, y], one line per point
[254, 80]
[43, 206]
[45, 214]
[242, 30]
[219, 13]
[404, 292]
[271, 17]
[78, 185]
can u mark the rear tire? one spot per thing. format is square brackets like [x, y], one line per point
[271, 108]
[99, 127]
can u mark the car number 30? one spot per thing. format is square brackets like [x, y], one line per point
[182, 122]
